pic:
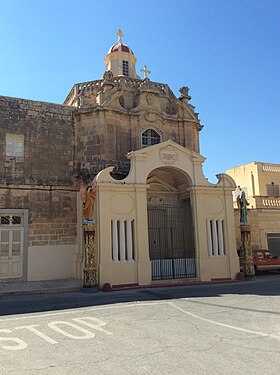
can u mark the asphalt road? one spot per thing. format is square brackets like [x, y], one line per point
[220, 329]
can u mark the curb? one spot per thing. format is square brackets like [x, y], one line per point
[40, 291]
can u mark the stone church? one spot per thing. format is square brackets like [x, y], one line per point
[158, 219]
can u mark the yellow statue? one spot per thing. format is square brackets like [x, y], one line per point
[88, 199]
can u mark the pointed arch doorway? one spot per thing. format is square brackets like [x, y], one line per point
[170, 224]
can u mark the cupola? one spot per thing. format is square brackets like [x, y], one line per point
[120, 59]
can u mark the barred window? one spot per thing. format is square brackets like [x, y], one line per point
[125, 68]
[150, 137]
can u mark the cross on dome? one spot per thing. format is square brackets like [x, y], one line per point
[145, 71]
[119, 35]
[120, 59]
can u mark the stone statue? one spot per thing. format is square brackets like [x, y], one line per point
[242, 204]
[108, 76]
[88, 199]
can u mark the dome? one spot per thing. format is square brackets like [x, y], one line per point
[119, 47]
[120, 59]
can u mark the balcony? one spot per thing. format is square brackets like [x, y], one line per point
[267, 202]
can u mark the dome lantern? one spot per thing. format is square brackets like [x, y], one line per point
[120, 59]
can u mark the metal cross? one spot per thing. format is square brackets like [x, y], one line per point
[119, 35]
[145, 71]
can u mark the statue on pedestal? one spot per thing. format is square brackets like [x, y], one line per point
[242, 204]
[88, 199]
[248, 265]
[89, 228]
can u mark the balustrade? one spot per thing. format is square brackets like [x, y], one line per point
[118, 81]
[267, 202]
[271, 168]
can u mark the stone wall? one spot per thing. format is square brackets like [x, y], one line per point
[261, 221]
[104, 137]
[41, 179]
[113, 113]
[48, 133]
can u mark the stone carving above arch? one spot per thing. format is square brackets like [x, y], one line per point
[168, 155]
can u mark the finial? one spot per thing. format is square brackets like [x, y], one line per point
[119, 35]
[184, 91]
[145, 71]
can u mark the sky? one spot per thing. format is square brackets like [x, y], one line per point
[226, 51]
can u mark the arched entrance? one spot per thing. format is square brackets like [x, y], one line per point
[170, 224]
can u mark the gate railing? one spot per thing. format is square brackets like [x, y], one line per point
[173, 268]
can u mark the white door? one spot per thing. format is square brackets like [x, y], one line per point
[11, 246]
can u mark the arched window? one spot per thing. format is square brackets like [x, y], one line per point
[150, 137]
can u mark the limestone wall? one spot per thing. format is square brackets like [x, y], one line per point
[47, 131]
[37, 150]
[113, 113]
[262, 221]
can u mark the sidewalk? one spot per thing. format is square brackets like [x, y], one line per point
[8, 288]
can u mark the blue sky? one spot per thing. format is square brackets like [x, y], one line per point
[226, 51]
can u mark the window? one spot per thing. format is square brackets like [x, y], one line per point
[11, 220]
[273, 241]
[125, 68]
[15, 145]
[122, 240]
[272, 190]
[215, 236]
[150, 137]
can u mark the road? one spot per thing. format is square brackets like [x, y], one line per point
[223, 329]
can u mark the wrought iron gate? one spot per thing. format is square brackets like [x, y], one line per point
[171, 242]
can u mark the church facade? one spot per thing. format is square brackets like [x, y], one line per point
[158, 219]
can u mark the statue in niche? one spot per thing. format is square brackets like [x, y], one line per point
[88, 198]
[242, 204]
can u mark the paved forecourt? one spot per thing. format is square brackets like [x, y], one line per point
[205, 335]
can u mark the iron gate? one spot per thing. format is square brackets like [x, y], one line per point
[171, 243]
